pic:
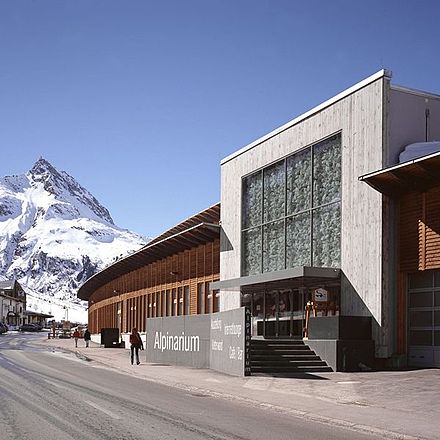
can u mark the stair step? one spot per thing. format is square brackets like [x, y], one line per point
[299, 369]
[301, 357]
[269, 356]
[297, 344]
[271, 342]
[311, 363]
[280, 347]
[276, 352]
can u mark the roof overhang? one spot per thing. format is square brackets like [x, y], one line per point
[296, 277]
[191, 237]
[36, 314]
[419, 174]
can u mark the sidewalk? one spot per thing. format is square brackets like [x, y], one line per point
[393, 404]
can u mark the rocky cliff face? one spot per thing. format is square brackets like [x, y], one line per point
[54, 235]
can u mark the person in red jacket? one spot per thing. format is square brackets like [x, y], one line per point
[76, 336]
[136, 344]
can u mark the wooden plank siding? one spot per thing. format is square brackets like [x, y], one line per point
[411, 213]
[419, 231]
[139, 290]
[419, 246]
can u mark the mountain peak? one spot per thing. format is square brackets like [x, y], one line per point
[41, 166]
[67, 190]
[43, 171]
[54, 234]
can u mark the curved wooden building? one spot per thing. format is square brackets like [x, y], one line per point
[170, 276]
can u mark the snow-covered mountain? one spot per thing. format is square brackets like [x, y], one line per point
[53, 236]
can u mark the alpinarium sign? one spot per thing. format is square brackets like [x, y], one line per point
[216, 341]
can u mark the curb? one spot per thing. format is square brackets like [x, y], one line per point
[356, 427]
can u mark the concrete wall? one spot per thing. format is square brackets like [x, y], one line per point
[359, 117]
[215, 341]
[164, 346]
[228, 342]
[343, 355]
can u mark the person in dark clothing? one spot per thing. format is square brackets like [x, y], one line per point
[136, 344]
[87, 337]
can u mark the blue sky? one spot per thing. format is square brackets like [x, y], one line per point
[140, 100]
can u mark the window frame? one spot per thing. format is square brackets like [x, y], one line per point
[310, 210]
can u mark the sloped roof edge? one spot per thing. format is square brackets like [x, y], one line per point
[166, 244]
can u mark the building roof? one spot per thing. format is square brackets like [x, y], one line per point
[419, 174]
[12, 288]
[209, 215]
[8, 284]
[37, 314]
[199, 229]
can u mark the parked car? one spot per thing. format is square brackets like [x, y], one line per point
[30, 328]
[3, 328]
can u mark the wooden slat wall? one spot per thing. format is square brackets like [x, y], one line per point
[420, 231]
[135, 289]
[432, 230]
[102, 317]
[410, 216]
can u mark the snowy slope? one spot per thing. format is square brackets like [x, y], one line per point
[54, 235]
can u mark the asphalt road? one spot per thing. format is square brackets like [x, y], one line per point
[55, 396]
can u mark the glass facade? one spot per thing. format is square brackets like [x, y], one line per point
[291, 211]
[424, 311]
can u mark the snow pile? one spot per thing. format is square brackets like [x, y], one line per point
[54, 235]
[418, 149]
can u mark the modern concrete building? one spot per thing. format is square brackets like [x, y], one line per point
[301, 225]
[328, 244]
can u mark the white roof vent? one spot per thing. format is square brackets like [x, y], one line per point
[419, 149]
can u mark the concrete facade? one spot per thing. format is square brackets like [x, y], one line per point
[376, 121]
[359, 116]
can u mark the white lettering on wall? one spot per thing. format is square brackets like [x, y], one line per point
[182, 342]
[233, 329]
[216, 324]
[216, 345]
[235, 353]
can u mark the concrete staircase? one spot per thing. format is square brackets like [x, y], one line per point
[273, 356]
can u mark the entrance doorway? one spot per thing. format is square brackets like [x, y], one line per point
[276, 313]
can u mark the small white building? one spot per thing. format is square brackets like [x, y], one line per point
[12, 303]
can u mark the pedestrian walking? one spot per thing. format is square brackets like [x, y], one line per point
[87, 337]
[76, 337]
[136, 344]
